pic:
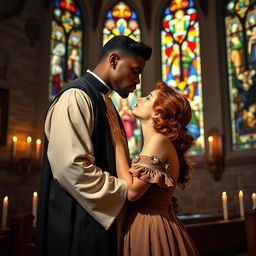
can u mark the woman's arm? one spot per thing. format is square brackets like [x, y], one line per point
[136, 187]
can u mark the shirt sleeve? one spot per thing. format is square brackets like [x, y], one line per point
[68, 127]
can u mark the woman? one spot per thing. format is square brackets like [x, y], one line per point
[152, 227]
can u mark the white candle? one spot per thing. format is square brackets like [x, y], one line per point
[225, 205]
[253, 200]
[34, 206]
[29, 140]
[14, 144]
[210, 146]
[38, 147]
[241, 203]
[5, 212]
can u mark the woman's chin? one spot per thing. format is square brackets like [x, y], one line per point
[134, 113]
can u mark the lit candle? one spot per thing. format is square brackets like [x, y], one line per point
[5, 212]
[210, 145]
[225, 205]
[241, 203]
[38, 147]
[14, 144]
[253, 200]
[29, 140]
[34, 206]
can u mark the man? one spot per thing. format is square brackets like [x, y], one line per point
[80, 195]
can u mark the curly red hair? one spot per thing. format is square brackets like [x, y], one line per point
[175, 114]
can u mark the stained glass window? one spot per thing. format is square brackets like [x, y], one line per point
[241, 55]
[122, 20]
[66, 45]
[181, 68]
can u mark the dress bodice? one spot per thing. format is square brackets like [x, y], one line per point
[153, 170]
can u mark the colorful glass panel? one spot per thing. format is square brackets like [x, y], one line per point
[122, 20]
[240, 25]
[66, 45]
[181, 68]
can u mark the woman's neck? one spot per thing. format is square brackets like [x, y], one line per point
[147, 130]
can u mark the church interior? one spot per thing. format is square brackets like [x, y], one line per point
[206, 49]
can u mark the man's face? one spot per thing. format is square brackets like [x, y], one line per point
[126, 74]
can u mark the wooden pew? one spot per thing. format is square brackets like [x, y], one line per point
[21, 234]
[213, 236]
[250, 221]
[4, 242]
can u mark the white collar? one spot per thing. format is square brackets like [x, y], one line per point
[96, 76]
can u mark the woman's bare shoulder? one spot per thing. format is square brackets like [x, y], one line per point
[158, 145]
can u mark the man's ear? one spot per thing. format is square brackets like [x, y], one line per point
[113, 59]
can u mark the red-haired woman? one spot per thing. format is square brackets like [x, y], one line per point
[152, 226]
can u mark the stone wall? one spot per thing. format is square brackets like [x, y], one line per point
[20, 41]
[22, 79]
[203, 194]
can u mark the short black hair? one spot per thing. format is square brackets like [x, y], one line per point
[126, 44]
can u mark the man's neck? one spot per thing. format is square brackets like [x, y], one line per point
[99, 78]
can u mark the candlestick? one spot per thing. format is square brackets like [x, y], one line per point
[38, 147]
[29, 140]
[241, 203]
[14, 144]
[253, 200]
[5, 212]
[225, 205]
[34, 207]
[210, 140]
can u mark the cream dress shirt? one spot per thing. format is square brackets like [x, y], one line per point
[69, 127]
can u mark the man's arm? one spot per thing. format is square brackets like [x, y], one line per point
[68, 127]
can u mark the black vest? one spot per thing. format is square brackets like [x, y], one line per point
[64, 228]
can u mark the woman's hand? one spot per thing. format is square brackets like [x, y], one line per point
[117, 134]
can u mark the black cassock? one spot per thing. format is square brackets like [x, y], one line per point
[64, 228]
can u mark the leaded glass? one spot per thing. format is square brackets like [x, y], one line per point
[66, 45]
[122, 20]
[181, 68]
[240, 25]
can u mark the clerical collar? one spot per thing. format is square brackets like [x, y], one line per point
[97, 77]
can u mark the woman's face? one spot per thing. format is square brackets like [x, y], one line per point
[144, 108]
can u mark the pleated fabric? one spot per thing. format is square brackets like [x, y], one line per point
[152, 227]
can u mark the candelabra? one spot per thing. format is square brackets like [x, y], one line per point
[29, 161]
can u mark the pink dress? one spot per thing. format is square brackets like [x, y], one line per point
[153, 228]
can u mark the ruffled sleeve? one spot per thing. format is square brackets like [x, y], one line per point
[152, 170]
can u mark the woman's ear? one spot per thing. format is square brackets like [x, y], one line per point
[156, 115]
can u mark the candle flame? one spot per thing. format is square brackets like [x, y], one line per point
[224, 193]
[29, 139]
[241, 194]
[35, 194]
[6, 199]
[14, 138]
[210, 138]
[253, 195]
[38, 141]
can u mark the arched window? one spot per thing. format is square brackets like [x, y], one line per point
[241, 55]
[122, 20]
[180, 48]
[66, 45]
